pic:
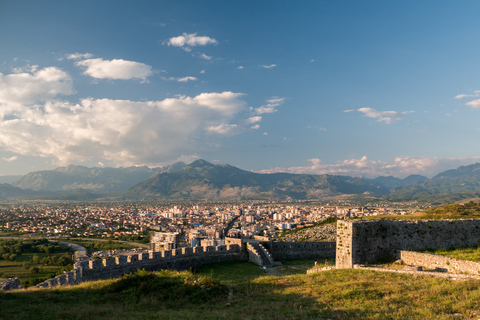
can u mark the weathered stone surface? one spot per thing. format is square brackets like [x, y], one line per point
[9, 284]
[368, 241]
[440, 263]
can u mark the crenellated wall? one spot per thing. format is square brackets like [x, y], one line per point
[186, 258]
[368, 241]
[114, 267]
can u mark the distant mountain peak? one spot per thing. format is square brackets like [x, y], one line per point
[200, 163]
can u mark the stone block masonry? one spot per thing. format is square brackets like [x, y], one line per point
[186, 258]
[179, 259]
[301, 250]
[432, 261]
[360, 242]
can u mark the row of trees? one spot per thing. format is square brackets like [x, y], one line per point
[33, 245]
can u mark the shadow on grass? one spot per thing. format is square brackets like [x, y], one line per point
[336, 294]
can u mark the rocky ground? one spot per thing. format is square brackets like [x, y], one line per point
[320, 233]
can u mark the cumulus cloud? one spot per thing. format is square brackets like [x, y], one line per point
[474, 104]
[186, 41]
[401, 167]
[270, 106]
[34, 86]
[270, 66]
[254, 119]
[116, 69]
[383, 116]
[35, 123]
[240, 67]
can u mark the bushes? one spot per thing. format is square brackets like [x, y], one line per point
[174, 288]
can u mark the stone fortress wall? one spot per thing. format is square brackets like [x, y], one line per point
[186, 258]
[114, 267]
[301, 250]
[360, 242]
[440, 263]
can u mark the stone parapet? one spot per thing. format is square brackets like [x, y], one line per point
[432, 261]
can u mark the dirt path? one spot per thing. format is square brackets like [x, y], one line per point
[80, 252]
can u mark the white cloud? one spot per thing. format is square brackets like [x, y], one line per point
[185, 79]
[270, 106]
[203, 71]
[255, 127]
[11, 159]
[240, 67]
[78, 56]
[474, 104]
[350, 110]
[383, 116]
[224, 129]
[254, 119]
[204, 56]
[123, 132]
[461, 96]
[116, 69]
[402, 166]
[31, 87]
[269, 66]
[190, 40]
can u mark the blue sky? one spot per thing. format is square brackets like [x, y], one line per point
[345, 87]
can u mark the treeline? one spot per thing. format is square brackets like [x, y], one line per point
[52, 260]
[140, 238]
[9, 249]
[93, 246]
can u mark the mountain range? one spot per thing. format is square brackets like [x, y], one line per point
[202, 180]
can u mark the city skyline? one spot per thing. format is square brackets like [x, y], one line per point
[316, 87]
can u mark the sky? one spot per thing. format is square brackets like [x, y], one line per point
[360, 88]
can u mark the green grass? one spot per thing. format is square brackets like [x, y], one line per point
[231, 272]
[93, 246]
[10, 269]
[250, 294]
[470, 253]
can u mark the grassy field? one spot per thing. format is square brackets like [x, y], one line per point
[241, 290]
[471, 253]
[9, 269]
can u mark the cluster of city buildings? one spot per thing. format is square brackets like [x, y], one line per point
[192, 224]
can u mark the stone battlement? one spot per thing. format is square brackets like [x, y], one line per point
[114, 267]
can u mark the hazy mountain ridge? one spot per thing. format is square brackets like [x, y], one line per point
[96, 179]
[463, 180]
[203, 180]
